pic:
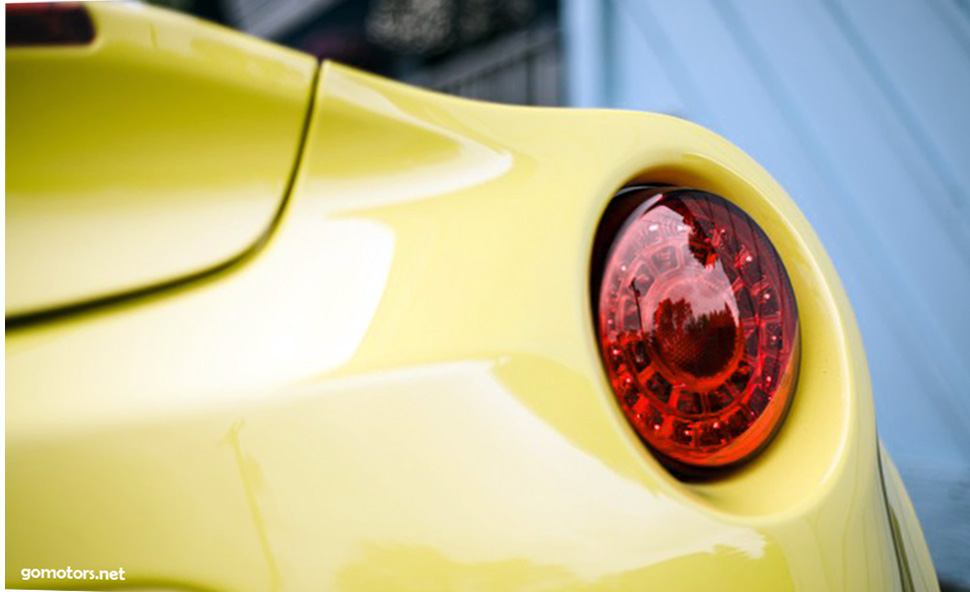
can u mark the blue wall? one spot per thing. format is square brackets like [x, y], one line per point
[861, 110]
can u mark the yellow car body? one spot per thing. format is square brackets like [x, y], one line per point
[380, 371]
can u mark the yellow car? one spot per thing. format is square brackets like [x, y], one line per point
[281, 325]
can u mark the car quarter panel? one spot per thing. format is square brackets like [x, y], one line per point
[402, 389]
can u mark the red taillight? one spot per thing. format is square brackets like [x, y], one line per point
[48, 23]
[697, 325]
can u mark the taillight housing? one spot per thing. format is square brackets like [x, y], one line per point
[697, 325]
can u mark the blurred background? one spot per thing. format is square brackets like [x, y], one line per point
[860, 109]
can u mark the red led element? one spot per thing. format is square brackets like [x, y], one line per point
[48, 23]
[698, 327]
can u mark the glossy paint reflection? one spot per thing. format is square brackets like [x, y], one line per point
[477, 484]
[228, 353]
[403, 389]
[449, 161]
[159, 150]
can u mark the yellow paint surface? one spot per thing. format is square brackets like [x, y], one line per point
[402, 389]
[159, 150]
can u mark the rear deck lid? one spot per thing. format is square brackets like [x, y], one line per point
[157, 150]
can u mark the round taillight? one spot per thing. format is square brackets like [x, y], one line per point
[697, 325]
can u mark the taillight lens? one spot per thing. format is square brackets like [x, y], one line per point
[697, 324]
[48, 23]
